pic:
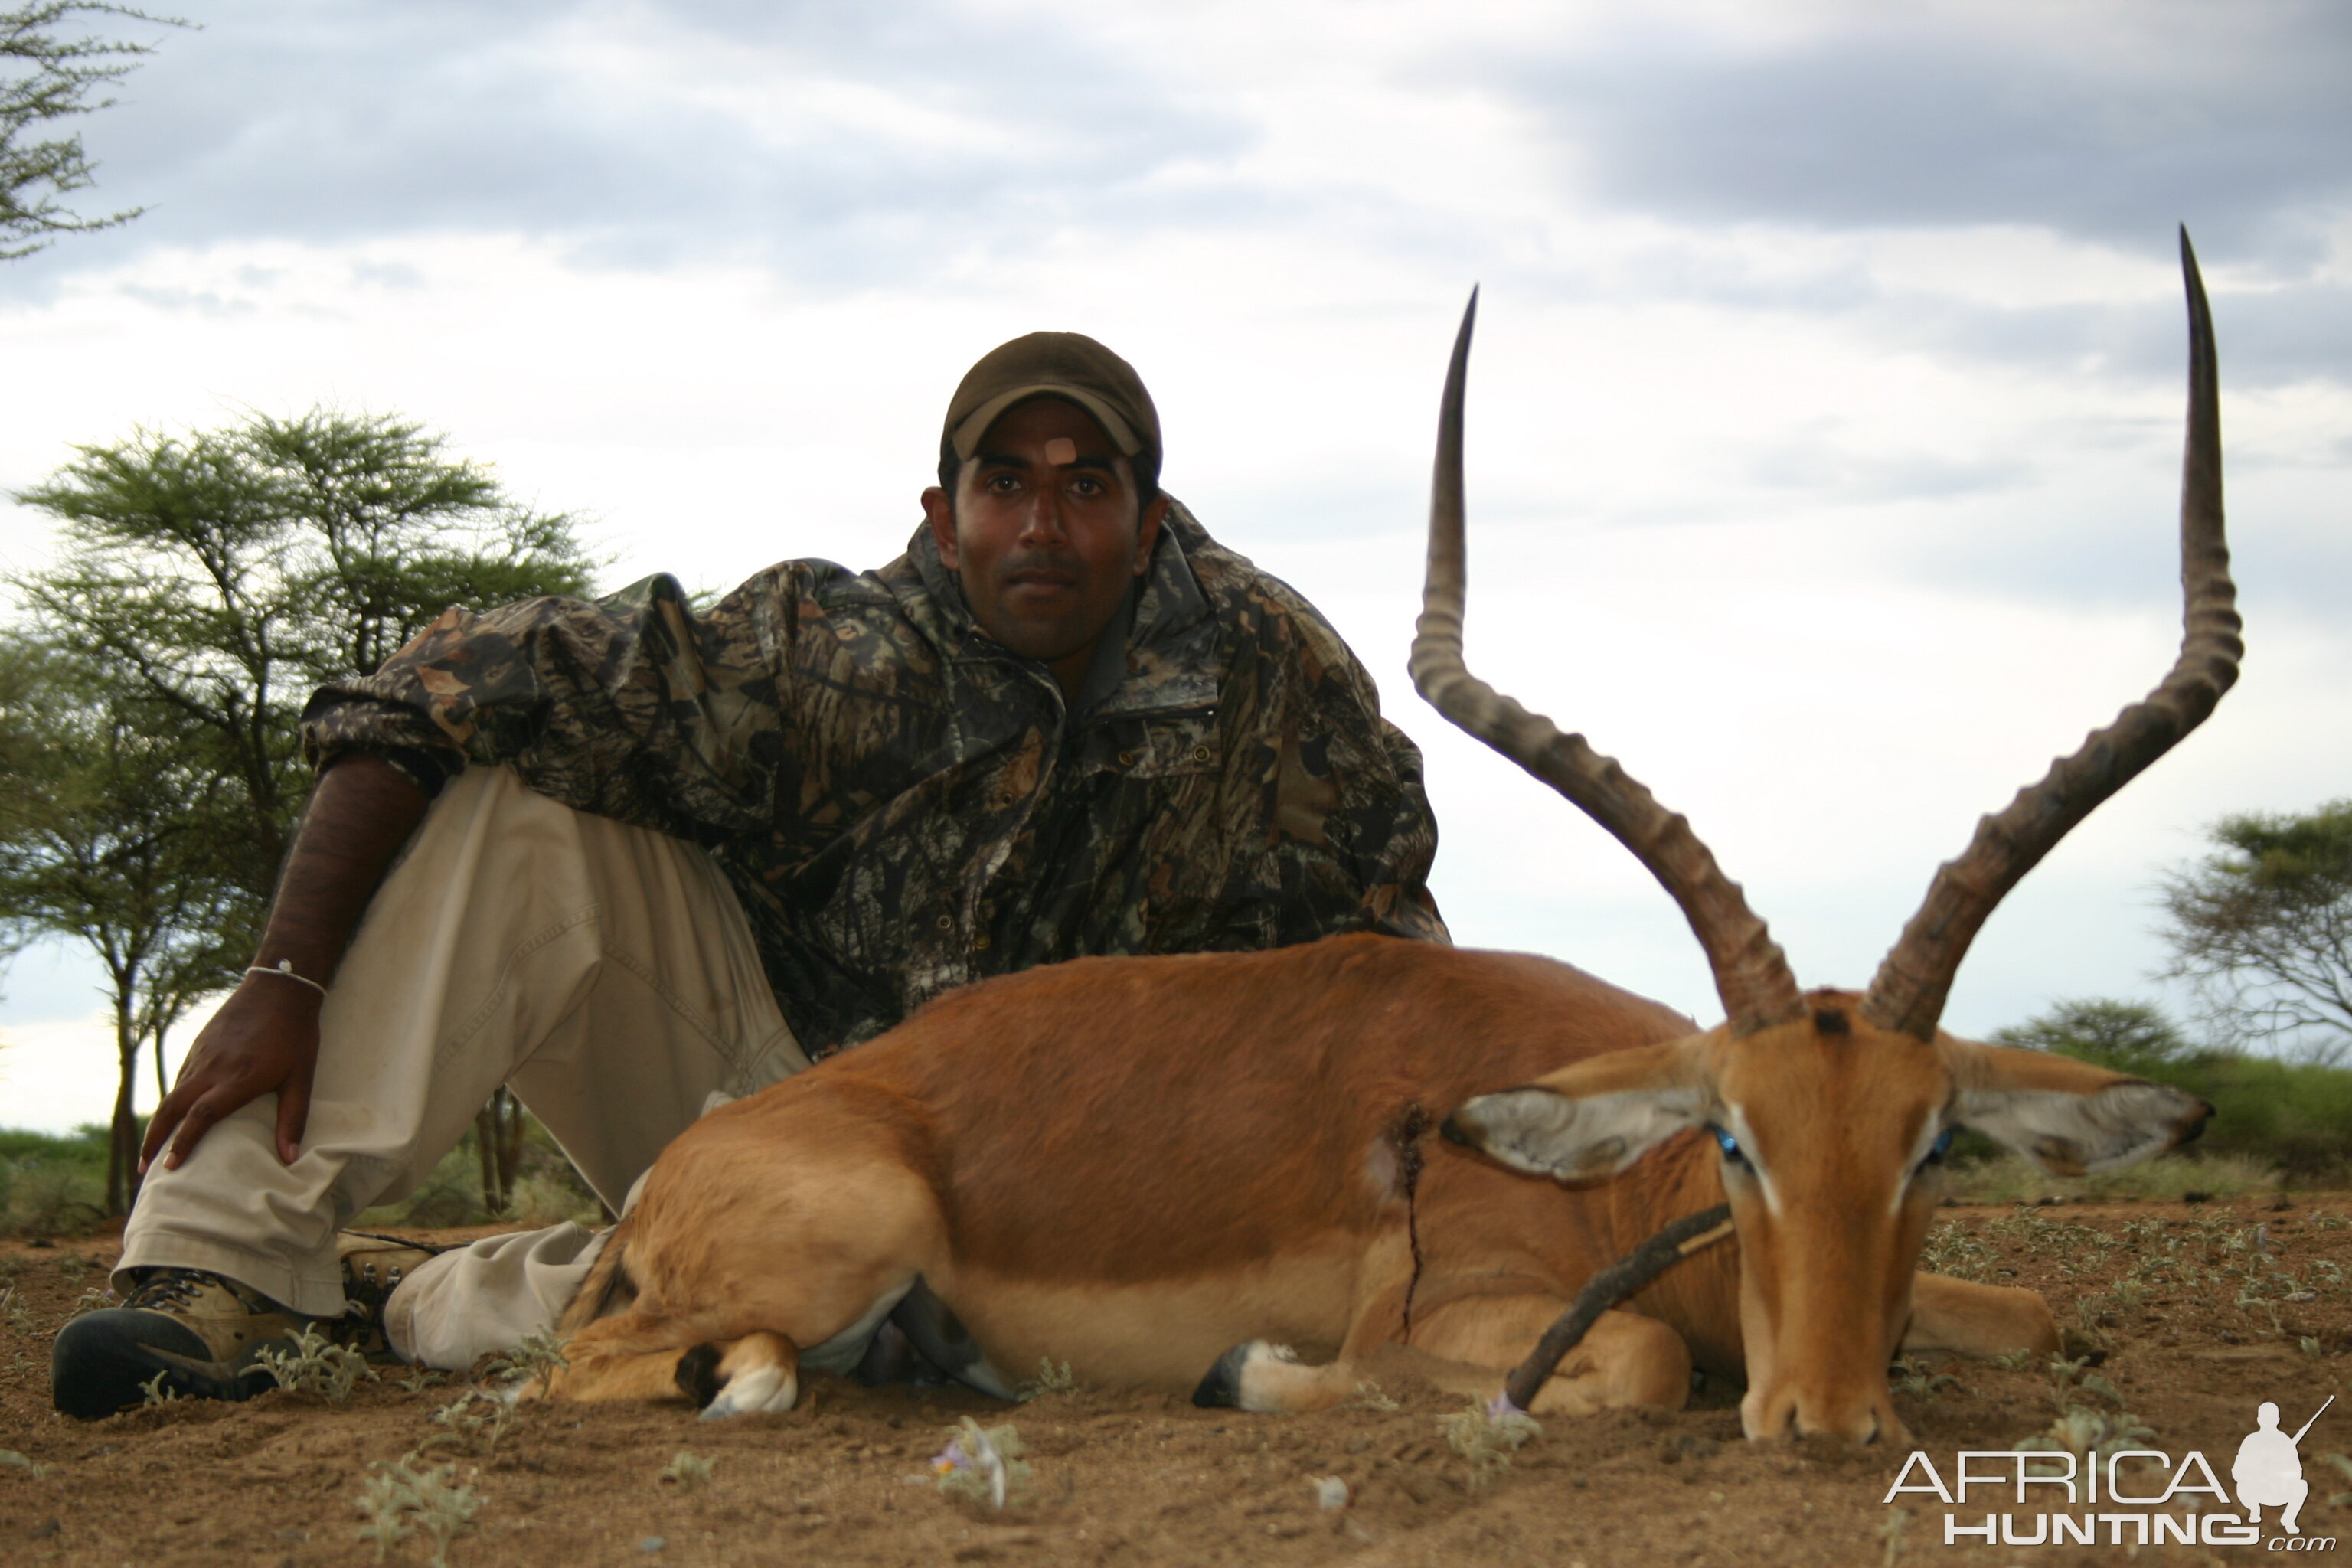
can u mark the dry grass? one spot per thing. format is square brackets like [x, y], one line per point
[2015, 1179]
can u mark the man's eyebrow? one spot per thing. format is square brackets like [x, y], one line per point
[1013, 460]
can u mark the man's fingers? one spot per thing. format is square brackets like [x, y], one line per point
[293, 1114]
[198, 1122]
[159, 1126]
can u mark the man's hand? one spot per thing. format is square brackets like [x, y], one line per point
[264, 1039]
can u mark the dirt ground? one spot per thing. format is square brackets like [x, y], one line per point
[2204, 1310]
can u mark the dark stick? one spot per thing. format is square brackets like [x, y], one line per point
[1608, 1288]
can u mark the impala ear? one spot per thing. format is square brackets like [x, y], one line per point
[2068, 1116]
[1587, 1121]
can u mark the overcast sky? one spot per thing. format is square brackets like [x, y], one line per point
[1824, 422]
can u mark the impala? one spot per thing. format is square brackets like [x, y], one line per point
[1223, 1172]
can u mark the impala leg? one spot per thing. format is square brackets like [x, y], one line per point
[1271, 1379]
[1984, 1321]
[621, 1359]
[737, 1267]
[1464, 1347]
[1623, 1360]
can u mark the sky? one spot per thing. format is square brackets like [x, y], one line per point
[1824, 418]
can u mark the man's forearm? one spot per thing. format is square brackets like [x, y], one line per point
[360, 815]
[265, 1038]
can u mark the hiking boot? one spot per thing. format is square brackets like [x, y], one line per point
[374, 1267]
[206, 1334]
[201, 1334]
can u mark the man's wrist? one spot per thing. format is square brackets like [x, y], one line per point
[284, 972]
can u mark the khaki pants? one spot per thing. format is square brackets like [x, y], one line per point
[603, 971]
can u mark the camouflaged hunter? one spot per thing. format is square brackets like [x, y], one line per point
[896, 801]
[903, 806]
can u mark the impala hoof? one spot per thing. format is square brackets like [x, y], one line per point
[697, 1375]
[1222, 1389]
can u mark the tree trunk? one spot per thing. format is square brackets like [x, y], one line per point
[497, 1139]
[123, 1143]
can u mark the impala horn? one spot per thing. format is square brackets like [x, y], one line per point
[1911, 985]
[1752, 974]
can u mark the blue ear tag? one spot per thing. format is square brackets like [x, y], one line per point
[1730, 1144]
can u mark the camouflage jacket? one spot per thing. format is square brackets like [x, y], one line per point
[903, 806]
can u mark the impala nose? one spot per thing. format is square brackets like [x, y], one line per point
[1788, 1414]
[1864, 1423]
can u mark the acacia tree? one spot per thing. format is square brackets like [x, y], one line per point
[49, 77]
[2263, 927]
[225, 574]
[2129, 1037]
[204, 585]
[111, 832]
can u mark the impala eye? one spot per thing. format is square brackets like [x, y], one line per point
[1729, 1145]
[1937, 1151]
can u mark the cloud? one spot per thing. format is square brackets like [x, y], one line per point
[2110, 123]
[850, 145]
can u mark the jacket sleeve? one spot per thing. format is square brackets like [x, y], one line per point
[1349, 837]
[633, 706]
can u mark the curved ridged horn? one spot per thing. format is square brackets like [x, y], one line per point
[1912, 984]
[1751, 973]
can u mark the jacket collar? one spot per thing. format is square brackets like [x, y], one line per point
[1172, 631]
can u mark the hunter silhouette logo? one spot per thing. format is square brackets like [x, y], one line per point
[2126, 1497]
[2269, 1469]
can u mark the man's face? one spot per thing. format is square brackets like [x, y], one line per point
[1045, 534]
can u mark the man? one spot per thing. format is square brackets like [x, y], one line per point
[647, 857]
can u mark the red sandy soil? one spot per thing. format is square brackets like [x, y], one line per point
[1123, 1479]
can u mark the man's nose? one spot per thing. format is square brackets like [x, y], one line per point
[1041, 522]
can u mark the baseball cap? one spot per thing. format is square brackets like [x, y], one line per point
[1060, 365]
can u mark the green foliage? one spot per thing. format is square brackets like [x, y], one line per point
[476, 1420]
[2007, 1178]
[547, 1190]
[2129, 1037]
[685, 1470]
[1051, 1379]
[539, 1356]
[223, 573]
[204, 585]
[51, 78]
[115, 833]
[1907, 1376]
[403, 1498]
[53, 1185]
[1488, 1435]
[2264, 926]
[2079, 1426]
[317, 1366]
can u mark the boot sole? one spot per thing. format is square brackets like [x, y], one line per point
[103, 1362]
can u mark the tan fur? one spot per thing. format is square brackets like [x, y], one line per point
[1133, 1166]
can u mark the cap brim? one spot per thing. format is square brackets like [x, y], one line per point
[975, 424]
